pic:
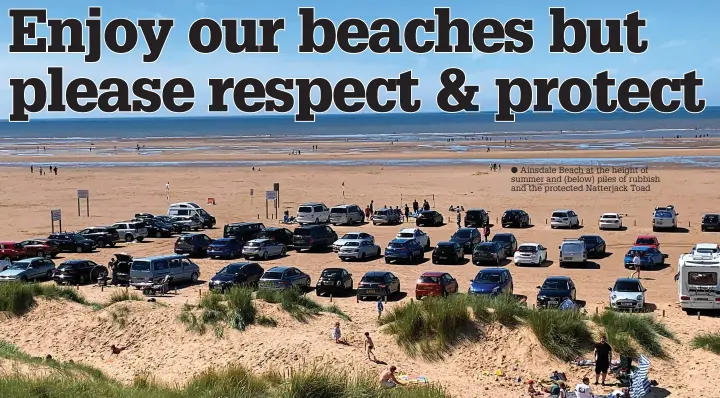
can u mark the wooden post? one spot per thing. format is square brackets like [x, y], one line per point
[78, 206]
[698, 315]
[596, 310]
[102, 288]
[546, 221]
[331, 298]
[663, 314]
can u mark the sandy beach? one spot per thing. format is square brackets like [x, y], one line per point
[163, 347]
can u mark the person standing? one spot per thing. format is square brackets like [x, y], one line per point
[416, 206]
[370, 347]
[486, 231]
[371, 206]
[55, 170]
[407, 213]
[459, 218]
[583, 390]
[31, 169]
[167, 191]
[603, 357]
[637, 264]
[41, 170]
[380, 307]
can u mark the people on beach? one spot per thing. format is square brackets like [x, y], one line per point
[532, 392]
[117, 349]
[41, 172]
[407, 213]
[336, 333]
[583, 390]
[371, 206]
[426, 205]
[370, 347]
[380, 307]
[416, 206]
[486, 231]
[388, 379]
[603, 357]
[55, 170]
[31, 169]
[459, 218]
[637, 264]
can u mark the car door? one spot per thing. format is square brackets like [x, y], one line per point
[573, 292]
[328, 238]
[508, 282]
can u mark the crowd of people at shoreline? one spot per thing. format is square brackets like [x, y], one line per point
[41, 171]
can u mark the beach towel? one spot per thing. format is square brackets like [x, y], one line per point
[568, 305]
[413, 379]
[640, 385]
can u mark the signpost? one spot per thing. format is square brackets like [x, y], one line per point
[55, 215]
[252, 192]
[84, 194]
[270, 195]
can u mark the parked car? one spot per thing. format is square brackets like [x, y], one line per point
[193, 210]
[225, 248]
[610, 221]
[476, 218]
[280, 278]
[448, 252]
[193, 244]
[492, 282]
[334, 281]
[627, 293]
[467, 238]
[386, 216]
[515, 218]
[530, 253]
[404, 250]
[665, 217]
[39, 248]
[346, 214]
[188, 223]
[650, 257]
[647, 240]
[177, 227]
[279, 235]
[351, 236]
[72, 242]
[572, 251]
[119, 267]
[378, 284]
[102, 236]
[434, 283]
[417, 234]
[263, 249]
[595, 245]
[430, 218]
[177, 268]
[243, 231]
[488, 252]
[507, 241]
[11, 251]
[564, 219]
[359, 250]
[710, 222]
[313, 237]
[78, 272]
[312, 213]
[236, 274]
[158, 228]
[28, 269]
[131, 230]
[555, 290]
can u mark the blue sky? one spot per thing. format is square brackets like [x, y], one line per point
[681, 39]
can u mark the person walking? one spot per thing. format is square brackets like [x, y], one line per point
[370, 347]
[603, 358]
[486, 231]
[55, 170]
[380, 307]
[31, 169]
[407, 213]
[637, 264]
[459, 218]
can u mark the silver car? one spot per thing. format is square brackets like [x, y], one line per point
[188, 222]
[386, 216]
[28, 269]
[359, 249]
[351, 236]
[263, 249]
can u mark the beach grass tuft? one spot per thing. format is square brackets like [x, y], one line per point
[707, 341]
[629, 334]
[18, 298]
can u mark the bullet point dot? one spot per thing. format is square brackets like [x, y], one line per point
[514, 169]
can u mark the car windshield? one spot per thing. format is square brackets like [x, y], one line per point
[381, 212]
[429, 279]
[140, 265]
[185, 239]
[20, 265]
[706, 250]
[711, 218]
[627, 286]
[203, 213]
[351, 236]
[304, 209]
[639, 253]
[331, 273]
[406, 235]
[352, 244]
[488, 277]
[396, 245]
[471, 215]
[663, 214]
[501, 238]
[484, 248]
[76, 237]
[527, 249]
[510, 214]
[232, 269]
[462, 234]
[645, 241]
[272, 275]
[555, 285]
[253, 244]
[373, 279]
[302, 232]
[572, 247]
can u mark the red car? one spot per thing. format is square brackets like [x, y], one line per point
[40, 248]
[647, 240]
[11, 251]
[435, 284]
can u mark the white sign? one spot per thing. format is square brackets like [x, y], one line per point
[270, 195]
[83, 194]
[56, 215]
[252, 191]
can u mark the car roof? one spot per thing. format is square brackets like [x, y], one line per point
[312, 204]
[493, 270]
[466, 228]
[401, 240]
[270, 229]
[476, 209]
[243, 223]
[557, 278]
[344, 205]
[589, 236]
[706, 246]
[611, 214]
[502, 234]
[408, 230]
[561, 210]
[151, 258]
[316, 226]
[31, 259]
[355, 232]
[280, 268]
[509, 210]
[445, 243]
[433, 273]
[487, 243]
[711, 214]
[260, 240]
[242, 264]
[333, 269]
[627, 280]
[75, 261]
[223, 239]
[530, 244]
[376, 273]
[646, 237]
[640, 248]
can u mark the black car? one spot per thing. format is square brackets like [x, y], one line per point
[72, 242]
[378, 284]
[448, 252]
[515, 218]
[488, 252]
[76, 272]
[157, 228]
[334, 280]
[594, 246]
[280, 235]
[710, 222]
[507, 241]
[429, 218]
[193, 244]
[476, 218]
[313, 237]
[177, 227]
[236, 274]
[243, 231]
[555, 290]
[144, 216]
[102, 236]
[467, 238]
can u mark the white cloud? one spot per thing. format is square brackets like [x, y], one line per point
[201, 6]
[674, 44]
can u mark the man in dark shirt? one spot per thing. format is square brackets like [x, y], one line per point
[407, 213]
[603, 356]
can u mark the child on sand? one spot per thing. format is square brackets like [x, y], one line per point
[369, 347]
[336, 333]
[380, 307]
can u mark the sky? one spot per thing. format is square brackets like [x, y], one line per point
[681, 39]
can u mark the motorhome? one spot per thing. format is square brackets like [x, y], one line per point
[191, 209]
[697, 278]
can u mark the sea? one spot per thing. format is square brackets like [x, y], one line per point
[593, 127]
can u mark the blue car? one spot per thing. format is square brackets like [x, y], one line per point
[404, 249]
[280, 278]
[225, 248]
[492, 281]
[650, 257]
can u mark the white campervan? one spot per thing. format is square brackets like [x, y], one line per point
[192, 209]
[697, 278]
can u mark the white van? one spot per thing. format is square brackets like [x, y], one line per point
[697, 278]
[313, 213]
[192, 209]
[572, 250]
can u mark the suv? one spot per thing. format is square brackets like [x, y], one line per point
[243, 231]
[313, 237]
[72, 242]
[572, 250]
[386, 216]
[515, 218]
[312, 213]
[131, 230]
[664, 217]
[193, 244]
[280, 235]
[157, 227]
[476, 218]
[710, 222]
[103, 236]
[346, 214]
[564, 218]
[11, 251]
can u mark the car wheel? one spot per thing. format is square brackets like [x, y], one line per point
[40, 254]
[128, 238]
[387, 260]
[317, 221]
[48, 275]
[283, 252]
[101, 243]
[23, 279]
[427, 245]
[317, 293]
[79, 249]
[362, 256]
[158, 234]
[265, 256]
[194, 277]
